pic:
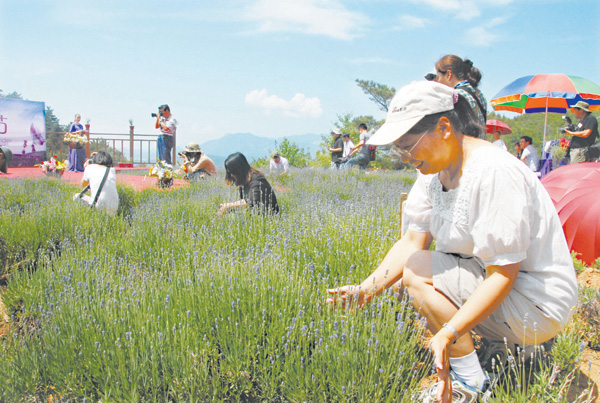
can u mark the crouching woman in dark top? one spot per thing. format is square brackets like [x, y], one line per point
[255, 190]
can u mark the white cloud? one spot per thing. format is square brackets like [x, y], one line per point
[374, 60]
[483, 35]
[299, 105]
[463, 9]
[316, 17]
[410, 22]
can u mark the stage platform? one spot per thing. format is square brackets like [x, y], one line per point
[133, 177]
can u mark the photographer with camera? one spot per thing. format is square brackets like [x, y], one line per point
[100, 178]
[584, 133]
[196, 164]
[168, 127]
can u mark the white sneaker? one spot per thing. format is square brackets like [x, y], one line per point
[461, 392]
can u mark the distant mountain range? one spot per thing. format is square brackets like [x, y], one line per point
[254, 147]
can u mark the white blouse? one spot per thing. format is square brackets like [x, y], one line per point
[109, 198]
[500, 214]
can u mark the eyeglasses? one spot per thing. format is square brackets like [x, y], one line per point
[406, 154]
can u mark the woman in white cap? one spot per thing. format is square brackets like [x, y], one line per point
[501, 265]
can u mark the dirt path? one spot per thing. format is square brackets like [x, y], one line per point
[590, 359]
[590, 367]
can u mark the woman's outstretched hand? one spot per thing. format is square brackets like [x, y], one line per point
[439, 347]
[352, 295]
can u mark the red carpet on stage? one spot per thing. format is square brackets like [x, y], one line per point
[138, 182]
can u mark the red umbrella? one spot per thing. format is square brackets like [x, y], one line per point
[575, 190]
[493, 125]
[561, 179]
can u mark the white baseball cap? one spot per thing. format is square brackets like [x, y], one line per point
[410, 104]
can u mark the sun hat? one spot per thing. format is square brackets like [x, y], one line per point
[336, 131]
[192, 148]
[410, 104]
[582, 105]
[7, 158]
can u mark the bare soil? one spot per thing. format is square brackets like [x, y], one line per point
[590, 278]
[590, 359]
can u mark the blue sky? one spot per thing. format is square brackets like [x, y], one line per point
[272, 67]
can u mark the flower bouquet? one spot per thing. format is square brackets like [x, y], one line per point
[75, 139]
[558, 152]
[53, 168]
[164, 172]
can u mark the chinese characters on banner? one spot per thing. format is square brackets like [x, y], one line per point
[23, 130]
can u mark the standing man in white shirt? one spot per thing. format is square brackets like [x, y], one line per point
[498, 142]
[279, 164]
[348, 145]
[167, 125]
[529, 155]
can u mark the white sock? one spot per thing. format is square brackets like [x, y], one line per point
[469, 369]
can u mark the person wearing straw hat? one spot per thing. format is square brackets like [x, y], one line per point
[196, 163]
[501, 264]
[5, 158]
[586, 134]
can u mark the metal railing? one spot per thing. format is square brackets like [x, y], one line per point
[133, 148]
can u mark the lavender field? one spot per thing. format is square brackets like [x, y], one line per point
[169, 302]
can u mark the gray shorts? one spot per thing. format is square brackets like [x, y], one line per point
[517, 319]
[577, 155]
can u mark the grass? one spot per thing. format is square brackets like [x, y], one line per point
[168, 301]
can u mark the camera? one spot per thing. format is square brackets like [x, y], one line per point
[570, 126]
[160, 112]
[153, 115]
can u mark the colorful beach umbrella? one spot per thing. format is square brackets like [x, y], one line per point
[546, 93]
[493, 125]
[574, 190]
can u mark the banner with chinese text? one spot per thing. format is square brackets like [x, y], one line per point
[23, 130]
